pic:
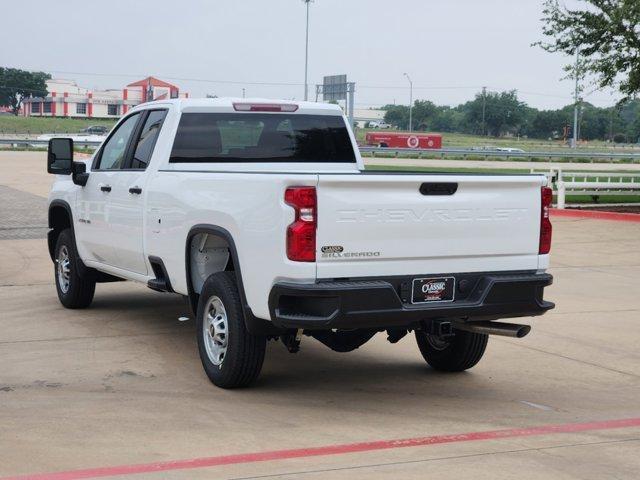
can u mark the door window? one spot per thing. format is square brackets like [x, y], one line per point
[147, 140]
[114, 152]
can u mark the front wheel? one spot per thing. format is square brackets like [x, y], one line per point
[454, 354]
[230, 355]
[74, 291]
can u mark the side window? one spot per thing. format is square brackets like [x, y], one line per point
[148, 137]
[115, 150]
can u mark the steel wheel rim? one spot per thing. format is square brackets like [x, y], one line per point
[63, 267]
[214, 330]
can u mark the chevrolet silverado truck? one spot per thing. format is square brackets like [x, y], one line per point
[262, 215]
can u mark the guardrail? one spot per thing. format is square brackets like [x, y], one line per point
[413, 152]
[566, 184]
[21, 142]
[467, 152]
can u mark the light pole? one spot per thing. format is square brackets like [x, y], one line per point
[484, 110]
[410, 102]
[306, 56]
[574, 142]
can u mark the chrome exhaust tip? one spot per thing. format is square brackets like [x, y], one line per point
[494, 328]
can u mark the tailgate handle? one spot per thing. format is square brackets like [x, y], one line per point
[440, 188]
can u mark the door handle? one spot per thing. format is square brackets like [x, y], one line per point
[135, 190]
[440, 188]
[105, 188]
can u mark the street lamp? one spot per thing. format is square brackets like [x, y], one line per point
[576, 102]
[410, 102]
[306, 55]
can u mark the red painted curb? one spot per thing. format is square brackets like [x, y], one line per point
[329, 450]
[596, 215]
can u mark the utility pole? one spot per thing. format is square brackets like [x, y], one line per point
[306, 56]
[484, 110]
[410, 102]
[611, 126]
[351, 90]
[574, 142]
[149, 96]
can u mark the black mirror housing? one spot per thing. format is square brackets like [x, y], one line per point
[60, 156]
[80, 175]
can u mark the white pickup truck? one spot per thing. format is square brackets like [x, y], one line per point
[262, 215]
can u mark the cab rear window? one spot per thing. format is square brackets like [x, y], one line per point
[262, 137]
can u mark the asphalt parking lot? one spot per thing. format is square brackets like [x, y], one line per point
[117, 390]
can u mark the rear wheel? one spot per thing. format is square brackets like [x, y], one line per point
[453, 354]
[230, 355]
[74, 291]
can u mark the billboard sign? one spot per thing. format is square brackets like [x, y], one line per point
[334, 87]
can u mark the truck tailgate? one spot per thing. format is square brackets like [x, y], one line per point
[414, 224]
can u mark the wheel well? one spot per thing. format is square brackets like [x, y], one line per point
[211, 249]
[59, 219]
[208, 254]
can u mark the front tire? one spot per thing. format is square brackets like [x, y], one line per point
[74, 291]
[230, 355]
[463, 351]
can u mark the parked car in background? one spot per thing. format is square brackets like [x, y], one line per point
[509, 150]
[489, 148]
[95, 130]
[380, 124]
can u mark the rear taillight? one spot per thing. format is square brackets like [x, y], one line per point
[301, 234]
[545, 224]
[265, 107]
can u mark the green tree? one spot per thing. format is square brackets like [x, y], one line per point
[547, 124]
[426, 115]
[397, 115]
[16, 85]
[423, 114]
[607, 32]
[503, 113]
[629, 120]
[633, 130]
[447, 119]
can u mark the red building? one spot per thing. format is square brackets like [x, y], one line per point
[67, 99]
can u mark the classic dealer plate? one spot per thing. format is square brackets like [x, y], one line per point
[439, 289]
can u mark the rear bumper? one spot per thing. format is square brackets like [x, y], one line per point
[385, 303]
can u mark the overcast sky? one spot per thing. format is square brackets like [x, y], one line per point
[450, 48]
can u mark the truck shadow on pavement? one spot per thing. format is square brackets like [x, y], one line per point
[378, 367]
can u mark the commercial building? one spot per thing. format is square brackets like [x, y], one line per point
[361, 116]
[67, 99]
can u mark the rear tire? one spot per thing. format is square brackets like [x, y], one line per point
[457, 354]
[74, 291]
[230, 355]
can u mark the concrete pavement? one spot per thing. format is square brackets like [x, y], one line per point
[121, 384]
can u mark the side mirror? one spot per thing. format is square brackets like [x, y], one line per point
[60, 156]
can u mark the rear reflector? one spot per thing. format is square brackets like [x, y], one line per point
[545, 224]
[301, 234]
[265, 107]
